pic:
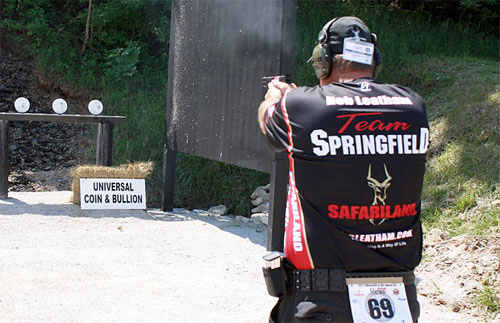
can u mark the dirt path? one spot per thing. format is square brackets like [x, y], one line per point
[61, 264]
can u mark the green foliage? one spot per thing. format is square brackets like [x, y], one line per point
[124, 36]
[402, 35]
[463, 172]
[479, 15]
[203, 183]
[489, 298]
[446, 54]
[457, 73]
[121, 63]
[141, 137]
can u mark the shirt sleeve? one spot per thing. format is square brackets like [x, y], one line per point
[275, 125]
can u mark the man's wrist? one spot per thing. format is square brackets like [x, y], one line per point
[274, 95]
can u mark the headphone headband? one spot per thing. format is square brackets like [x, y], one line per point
[323, 34]
[327, 45]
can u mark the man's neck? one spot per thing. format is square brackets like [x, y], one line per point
[345, 77]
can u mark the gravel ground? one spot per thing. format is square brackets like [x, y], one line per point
[62, 264]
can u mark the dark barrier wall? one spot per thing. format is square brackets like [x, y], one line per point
[219, 51]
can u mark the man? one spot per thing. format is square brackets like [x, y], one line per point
[356, 151]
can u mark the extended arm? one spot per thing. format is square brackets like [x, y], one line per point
[274, 94]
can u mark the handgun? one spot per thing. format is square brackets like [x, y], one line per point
[281, 78]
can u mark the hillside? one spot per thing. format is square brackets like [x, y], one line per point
[464, 109]
[449, 65]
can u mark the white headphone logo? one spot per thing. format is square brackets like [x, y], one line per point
[356, 32]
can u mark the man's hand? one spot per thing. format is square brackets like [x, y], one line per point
[274, 94]
[277, 89]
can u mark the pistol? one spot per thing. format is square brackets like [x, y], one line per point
[281, 78]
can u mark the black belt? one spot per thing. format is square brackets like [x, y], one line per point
[334, 280]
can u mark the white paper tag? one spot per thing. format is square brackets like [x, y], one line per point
[358, 51]
[112, 193]
[379, 299]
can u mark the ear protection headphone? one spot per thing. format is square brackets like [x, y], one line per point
[377, 56]
[322, 55]
[320, 59]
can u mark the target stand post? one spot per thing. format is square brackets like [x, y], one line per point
[104, 137]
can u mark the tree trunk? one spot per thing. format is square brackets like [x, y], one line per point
[87, 29]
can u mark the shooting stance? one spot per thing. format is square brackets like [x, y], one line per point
[357, 150]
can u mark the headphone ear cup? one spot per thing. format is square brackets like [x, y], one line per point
[321, 61]
[377, 56]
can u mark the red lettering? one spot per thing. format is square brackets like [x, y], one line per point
[376, 124]
[397, 211]
[396, 125]
[406, 210]
[334, 211]
[344, 212]
[379, 125]
[362, 125]
[371, 126]
[382, 212]
[363, 213]
[354, 211]
[351, 117]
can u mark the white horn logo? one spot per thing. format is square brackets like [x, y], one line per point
[379, 189]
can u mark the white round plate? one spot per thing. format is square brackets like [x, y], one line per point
[59, 106]
[22, 105]
[95, 107]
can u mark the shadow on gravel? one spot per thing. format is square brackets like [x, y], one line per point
[255, 232]
[43, 204]
[14, 206]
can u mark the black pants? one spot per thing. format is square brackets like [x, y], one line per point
[311, 306]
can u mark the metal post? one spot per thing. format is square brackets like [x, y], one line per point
[104, 144]
[277, 203]
[169, 161]
[4, 159]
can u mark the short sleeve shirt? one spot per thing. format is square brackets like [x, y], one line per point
[356, 167]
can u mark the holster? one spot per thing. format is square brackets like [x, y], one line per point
[274, 274]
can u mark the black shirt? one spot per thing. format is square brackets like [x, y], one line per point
[357, 161]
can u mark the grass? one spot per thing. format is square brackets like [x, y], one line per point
[461, 191]
[488, 298]
[455, 70]
[200, 183]
[140, 137]
[462, 94]
[204, 183]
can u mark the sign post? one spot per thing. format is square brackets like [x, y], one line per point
[4, 159]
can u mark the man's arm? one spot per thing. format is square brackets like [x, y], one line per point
[274, 94]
